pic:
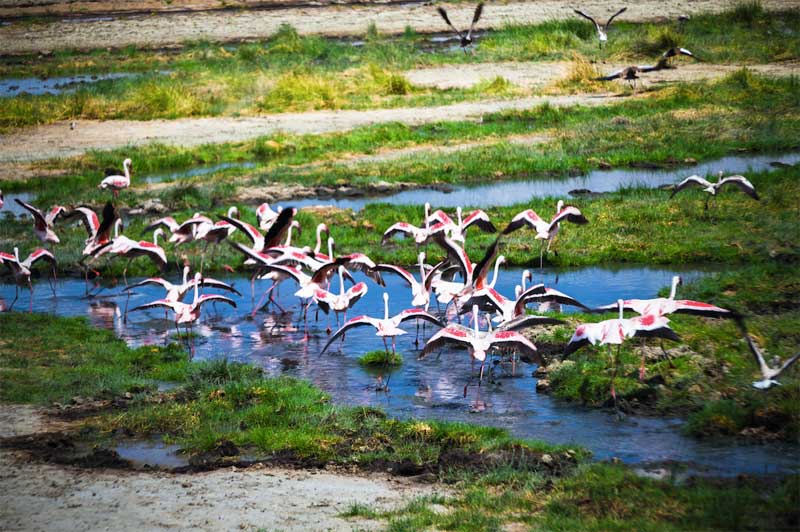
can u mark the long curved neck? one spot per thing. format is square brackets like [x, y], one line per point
[385, 308]
[155, 236]
[427, 215]
[475, 318]
[289, 236]
[620, 309]
[496, 270]
[196, 290]
[330, 248]
[117, 225]
[319, 239]
[127, 169]
[341, 282]
[16, 255]
[185, 274]
[458, 214]
[674, 289]
[524, 275]
[421, 270]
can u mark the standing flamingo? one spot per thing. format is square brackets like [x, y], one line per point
[43, 223]
[117, 182]
[188, 313]
[546, 230]
[21, 270]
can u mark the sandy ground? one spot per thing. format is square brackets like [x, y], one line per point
[58, 140]
[36, 496]
[162, 30]
[538, 74]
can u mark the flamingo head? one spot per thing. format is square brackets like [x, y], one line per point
[322, 228]
[421, 257]
[16, 253]
[559, 205]
[158, 232]
[198, 276]
[233, 212]
[127, 164]
[501, 259]
[527, 275]
[385, 294]
[296, 226]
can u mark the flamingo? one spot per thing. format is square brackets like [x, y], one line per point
[478, 218]
[176, 292]
[343, 300]
[769, 374]
[677, 51]
[98, 232]
[117, 182]
[214, 233]
[266, 216]
[188, 313]
[386, 327]
[420, 291]
[478, 342]
[182, 233]
[602, 29]
[466, 39]
[615, 331]
[712, 188]
[43, 223]
[21, 270]
[421, 234]
[122, 246]
[544, 230]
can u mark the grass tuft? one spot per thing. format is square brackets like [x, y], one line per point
[380, 358]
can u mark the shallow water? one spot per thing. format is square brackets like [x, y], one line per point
[150, 453]
[193, 172]
[12, 87]
[432, 387]
[12, 207]
[504, 193]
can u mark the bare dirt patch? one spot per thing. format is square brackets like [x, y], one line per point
[539, 74]
[162, 30]
[37, 496]
[59, 140]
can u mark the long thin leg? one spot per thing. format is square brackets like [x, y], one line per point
[30, 288]
[16, 296]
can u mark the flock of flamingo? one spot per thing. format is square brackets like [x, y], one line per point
[475, 316]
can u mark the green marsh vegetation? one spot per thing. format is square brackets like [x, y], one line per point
[494, 480]
[289, 72]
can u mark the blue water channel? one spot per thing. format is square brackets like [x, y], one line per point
[431, 387]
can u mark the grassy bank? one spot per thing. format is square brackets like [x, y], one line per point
[221, 409]
[292, 73]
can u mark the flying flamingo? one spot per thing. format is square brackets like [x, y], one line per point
[478, 342]
[182, 233]
[388, 327]
[662, 306]
[602, 29]
[457, 230]
[616, 331]
[188, 313]
[769, 374]
[420, 234]
[420, 291]
[43, 223]
[214, 233]
[117, 182]
[98, 232]
[266, 216]
[176, 292]
[21, 270]
[712, 188]
[122, 246]
[466, 38]
[342, 301]
[546, 230]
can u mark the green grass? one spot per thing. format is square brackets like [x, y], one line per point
[380, 358]
[288, 72]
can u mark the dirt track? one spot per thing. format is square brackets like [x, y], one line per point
[172, 29]
[58, 140]
[538, 74]
[35, 496]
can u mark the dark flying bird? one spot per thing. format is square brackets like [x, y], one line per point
[466, 39]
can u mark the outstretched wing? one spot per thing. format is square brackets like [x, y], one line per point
[205, 298]
[742, 182]
[443, 14]
[252, 233]
[453, 333]
[404, 274]
[158, 303]
[358, 321]
[587, 17]
[529, 320]
[569, 213]
[480, 220]
[37, 255]
[691, 181]
[615, 15]
[88, 217]
[698, 308]
[38, 218]
[505, 339]
[614, 75]
[527, 218]
[418, 314]
[475, 18]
